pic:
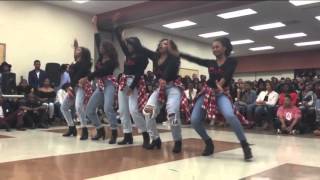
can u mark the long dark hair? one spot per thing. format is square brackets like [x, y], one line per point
[136, 44]
[111, 51]
[85, 55]
[225, 43]
[172, 43]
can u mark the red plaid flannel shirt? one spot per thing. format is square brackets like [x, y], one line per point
[88, 91]
[142, 90]
[210, 106]
[184, 103]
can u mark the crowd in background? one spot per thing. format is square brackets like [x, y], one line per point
[284, 105]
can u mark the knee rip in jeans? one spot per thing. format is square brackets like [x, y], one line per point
[172, 118]
[148, 111]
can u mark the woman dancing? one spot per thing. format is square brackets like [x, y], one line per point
[132, 88]
[213, 96]
[166, 68]
[78, 70]
[104, 95]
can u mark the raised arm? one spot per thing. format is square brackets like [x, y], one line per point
[151, 54]
[199, 61]
[142, 63]
[120, 36]
[97, 38]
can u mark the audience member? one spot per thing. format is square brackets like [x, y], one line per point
[46, 94]
[37, 76]
[263, 111]
[288, 117]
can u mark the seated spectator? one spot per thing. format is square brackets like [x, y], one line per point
[203, 78]
[190, 92]
[263, 110]
[10, 117]
[245, 98]
[23, 88]
[317, 108]
[64, 75]
[307, 106]
[288, 117]
[261, 86]
[47, 95]
[35, 114]
[287, 90]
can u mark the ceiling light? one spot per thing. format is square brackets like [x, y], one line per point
[239, 13]
[213, 34]
[318, 17]
[267, 26]
[303, 2]
[292, 35]
[80, 1]
[244, 41]
[261, 48]
[179, 24]
[309, 43]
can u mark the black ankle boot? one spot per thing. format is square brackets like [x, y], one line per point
[146, 140]
[128, 139]
[177, 147]
[101, 133]
[7, 127]
[71, 132]
[246, 150]
[114, 135]
[155, 144]
[209, 149]
[84, 134]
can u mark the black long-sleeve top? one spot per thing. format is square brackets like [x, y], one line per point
[168, 70]
[79, 70]
[216, 72]
[102, 68]
[134, 64]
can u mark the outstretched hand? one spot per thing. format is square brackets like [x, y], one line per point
[75, 43]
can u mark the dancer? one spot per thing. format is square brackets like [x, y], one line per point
[104, 95]
[213, 96]
[78, 70]
[132, 93]
[166, 68]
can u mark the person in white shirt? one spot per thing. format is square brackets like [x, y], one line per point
[263, 111]
[190, 92]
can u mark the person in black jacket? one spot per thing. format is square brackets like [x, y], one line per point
[37, 76]
[105, 93]
[220, 75]
[79, 69]
[133, 85]
[166, 68]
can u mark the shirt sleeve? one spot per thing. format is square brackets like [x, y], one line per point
[230, 69]
[172, 68]
[121, 42]
[273, 99]
[142, 63]
[280, 112]
[151, 54]
[196, 60]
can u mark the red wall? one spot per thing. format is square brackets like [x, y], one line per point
[279, 61]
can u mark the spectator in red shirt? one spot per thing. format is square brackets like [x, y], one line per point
[286, 90]
[289, 116]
